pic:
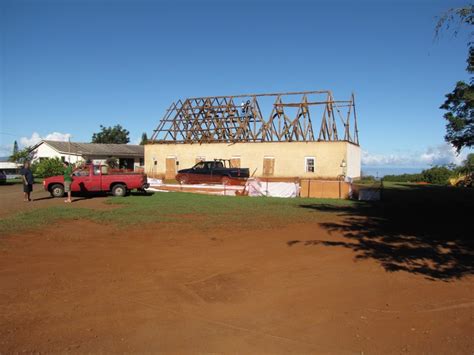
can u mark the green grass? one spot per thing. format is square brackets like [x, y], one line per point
[20, 181]
[201, 211]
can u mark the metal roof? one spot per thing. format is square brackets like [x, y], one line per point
[95, 149]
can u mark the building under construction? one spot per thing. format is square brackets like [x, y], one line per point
[283, 135]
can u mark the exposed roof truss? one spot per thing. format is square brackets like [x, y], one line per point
[293, 117]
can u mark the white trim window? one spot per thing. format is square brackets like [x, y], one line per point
[310, 164]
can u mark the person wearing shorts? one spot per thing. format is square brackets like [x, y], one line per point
[28, 181]
[67, 181]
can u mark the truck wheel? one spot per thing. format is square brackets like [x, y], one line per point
[119, 190]
[57, 190]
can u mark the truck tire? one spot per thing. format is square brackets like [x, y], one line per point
[119, 190]
[57, 190]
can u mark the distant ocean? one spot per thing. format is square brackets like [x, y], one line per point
[382, 171]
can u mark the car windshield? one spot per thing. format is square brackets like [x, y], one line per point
[199, 165]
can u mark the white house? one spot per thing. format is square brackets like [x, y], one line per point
[129, 156]
[11, 170]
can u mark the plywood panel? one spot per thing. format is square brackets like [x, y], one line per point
[170, 168]
[268, 166]
[235, 162]
[324, 189]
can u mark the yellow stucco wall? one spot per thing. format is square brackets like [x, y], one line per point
[289, 157]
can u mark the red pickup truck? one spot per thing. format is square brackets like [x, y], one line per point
[97, 178]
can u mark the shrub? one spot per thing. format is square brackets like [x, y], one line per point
[437, 175]
[48, 167]
[404, 178]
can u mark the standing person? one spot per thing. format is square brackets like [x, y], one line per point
[67, 181]
[28, 180]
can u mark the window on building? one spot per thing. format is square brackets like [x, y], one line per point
[310, 164]
[142, 161]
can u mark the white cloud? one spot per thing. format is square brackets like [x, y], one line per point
[434, 155]
[441, 155]
[36, 138]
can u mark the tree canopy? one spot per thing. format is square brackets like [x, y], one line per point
[460, 102]
[144, 139]
[15, 148]
[22, 155]
[111, 135]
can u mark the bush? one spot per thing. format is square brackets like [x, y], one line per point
[404, 178]
[48, 167]
[437, 175]
[368, 178]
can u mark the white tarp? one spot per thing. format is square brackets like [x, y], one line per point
[254, 187]
[272, 189]
[152, 181]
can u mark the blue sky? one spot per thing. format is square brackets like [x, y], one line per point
[70, 65]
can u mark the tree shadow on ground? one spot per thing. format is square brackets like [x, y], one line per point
[425, 230]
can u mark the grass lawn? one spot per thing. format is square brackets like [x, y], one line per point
[20, 181]
[205, 211]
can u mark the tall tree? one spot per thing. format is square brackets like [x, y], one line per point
[15, 148]
[144, 139]
[25, 154]
[115, 135]
[460, 102]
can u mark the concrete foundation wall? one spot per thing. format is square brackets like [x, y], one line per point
[290, 158]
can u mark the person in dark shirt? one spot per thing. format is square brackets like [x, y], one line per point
[28, 181]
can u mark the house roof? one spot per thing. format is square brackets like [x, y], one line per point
[95, 149]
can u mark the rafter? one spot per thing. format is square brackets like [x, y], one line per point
[220, 119]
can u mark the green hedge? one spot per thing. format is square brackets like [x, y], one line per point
[48, 167]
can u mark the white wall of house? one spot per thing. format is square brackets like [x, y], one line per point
[353, 159]
[45, 151]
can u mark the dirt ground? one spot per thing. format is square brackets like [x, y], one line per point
[84, 287]
[12, 200]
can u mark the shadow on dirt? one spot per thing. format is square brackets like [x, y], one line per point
[424, 230]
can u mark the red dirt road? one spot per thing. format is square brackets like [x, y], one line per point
[11, 200]
[85, 287]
